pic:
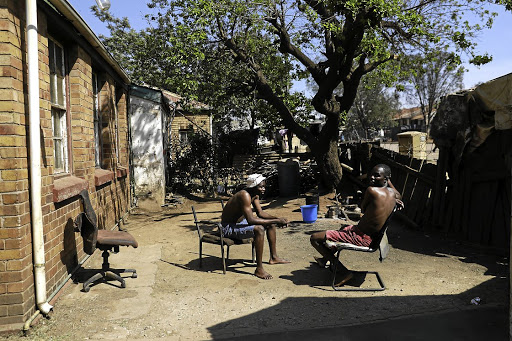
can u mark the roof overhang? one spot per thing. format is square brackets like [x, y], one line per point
[76, 20]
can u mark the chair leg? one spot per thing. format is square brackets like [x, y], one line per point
[253, 253]
[108, 273]
[200, 254]
[227, 253]
[376, 273]
[223, 259]
[335, 270]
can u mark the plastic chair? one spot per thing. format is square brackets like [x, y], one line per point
[379, 242]
[217, 238]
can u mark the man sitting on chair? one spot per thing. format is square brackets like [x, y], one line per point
[238, 222]
[378, 203]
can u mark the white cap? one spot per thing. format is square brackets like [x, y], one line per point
[254, 180]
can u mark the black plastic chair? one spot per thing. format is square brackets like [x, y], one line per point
[215, 236]
[379, 242]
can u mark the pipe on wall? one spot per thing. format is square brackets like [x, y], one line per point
[35, 158]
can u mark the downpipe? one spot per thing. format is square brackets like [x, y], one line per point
[35, 158]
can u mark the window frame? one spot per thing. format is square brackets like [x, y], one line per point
[186, 133]
[59, 104]
[116, 123]
[98, 145]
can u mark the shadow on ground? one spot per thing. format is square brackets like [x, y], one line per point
[296, 317]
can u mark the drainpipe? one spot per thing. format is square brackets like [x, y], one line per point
[35, 159]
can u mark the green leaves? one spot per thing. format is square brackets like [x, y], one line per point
[242, 57]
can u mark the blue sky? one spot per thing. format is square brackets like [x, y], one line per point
[494, 41]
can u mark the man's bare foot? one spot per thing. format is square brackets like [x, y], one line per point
[343, 278]
[278, 260]
[260, 273]
[321, 261]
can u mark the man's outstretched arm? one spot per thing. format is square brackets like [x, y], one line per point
[262, 218]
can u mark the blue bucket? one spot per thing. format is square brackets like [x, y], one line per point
[309, 213]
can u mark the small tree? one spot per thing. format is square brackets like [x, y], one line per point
[373, 108]
[433, 76]
[193, 168]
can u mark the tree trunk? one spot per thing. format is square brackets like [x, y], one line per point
[329, 165]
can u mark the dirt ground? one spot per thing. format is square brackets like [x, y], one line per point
[175, 299]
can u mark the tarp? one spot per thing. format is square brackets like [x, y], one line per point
[496, 95]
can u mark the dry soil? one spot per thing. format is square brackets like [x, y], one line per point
[173, 298]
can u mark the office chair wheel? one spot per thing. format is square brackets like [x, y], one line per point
[134, 275]
[86, 289]
[123, 285]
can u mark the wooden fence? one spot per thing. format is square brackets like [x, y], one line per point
[471, 204]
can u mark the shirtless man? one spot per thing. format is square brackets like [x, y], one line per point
[378, 203]
[238, 222]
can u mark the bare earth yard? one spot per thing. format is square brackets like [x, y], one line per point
[173, 298]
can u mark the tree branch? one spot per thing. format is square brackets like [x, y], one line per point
[286, 46]
[264, 89]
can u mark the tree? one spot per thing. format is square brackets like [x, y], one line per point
[373, 108]
[334, 43]
[433, 76]
[172, 56]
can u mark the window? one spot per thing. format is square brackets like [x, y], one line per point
[97, 121]
[185, 135]
[116, 125]
[58, 104]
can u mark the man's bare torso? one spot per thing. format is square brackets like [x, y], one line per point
[378, 204]
[234, 209]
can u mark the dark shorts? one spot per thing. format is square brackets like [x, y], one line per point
[349, 234]
[241, 230]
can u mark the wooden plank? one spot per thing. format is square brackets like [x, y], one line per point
[466, 199]
[500, 224]
[449, 208]
[402, 174]
[420, 197]
[429, 170]
[394, 163]
[439, 190]
[410, 179]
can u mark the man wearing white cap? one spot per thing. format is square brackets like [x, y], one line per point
[238, 222]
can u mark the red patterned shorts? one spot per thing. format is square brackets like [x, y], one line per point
[349, 234]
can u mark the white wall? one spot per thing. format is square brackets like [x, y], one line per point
[148, 150]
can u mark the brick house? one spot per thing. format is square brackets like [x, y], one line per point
[407, 120]
[184, 123]
[68, 119]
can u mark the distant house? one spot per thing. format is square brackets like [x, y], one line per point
[185, 122]
[63, 129]
[410, 119]
[160, 128]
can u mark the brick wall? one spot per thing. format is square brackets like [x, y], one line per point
[63, 246]
[16, 279]
[181, 123]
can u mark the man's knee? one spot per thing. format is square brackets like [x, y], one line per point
[317, 237]
[258, 229]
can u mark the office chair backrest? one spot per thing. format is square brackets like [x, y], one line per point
[87, 224]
